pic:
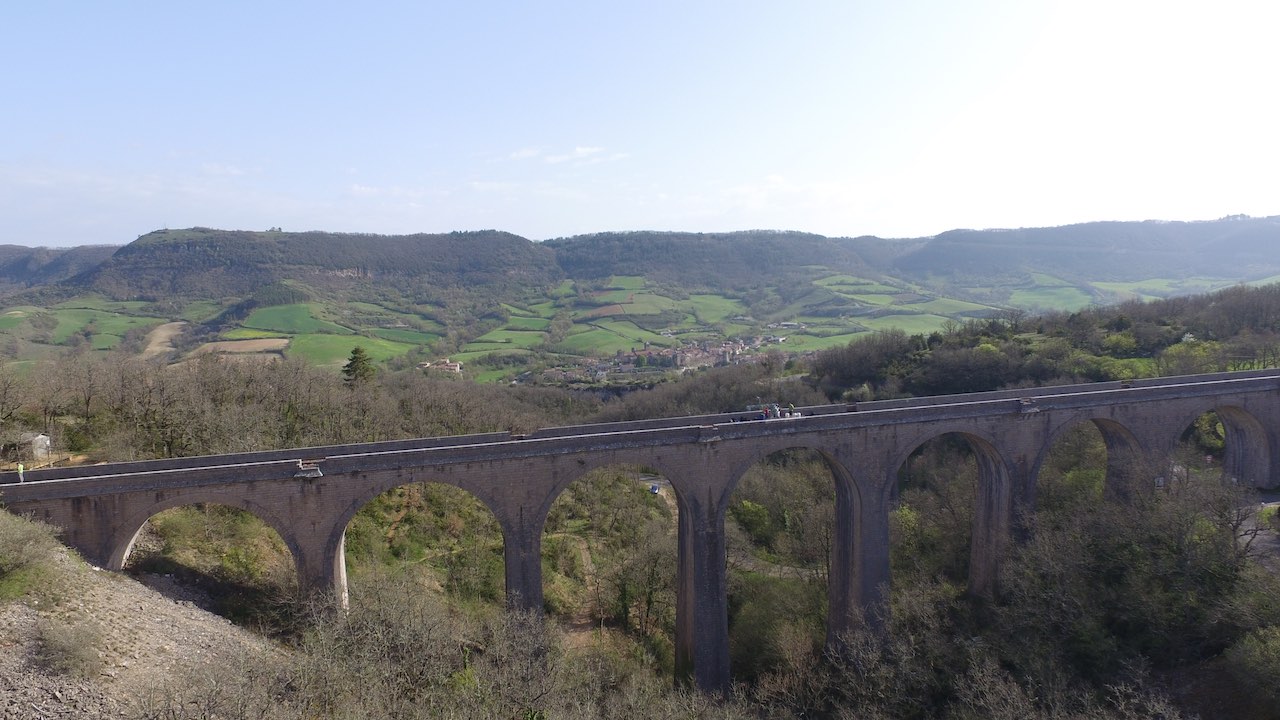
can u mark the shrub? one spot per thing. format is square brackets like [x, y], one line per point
[25, 547]
[70, 648]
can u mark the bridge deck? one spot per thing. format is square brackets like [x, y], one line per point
[421, 452]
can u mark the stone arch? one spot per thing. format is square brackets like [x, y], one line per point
[1247, 454]
[600, 523]
[845, 578]
[1125, 453]
[131, 527]
[993, 505]
[590, 463]
[841, 476]
[334, 546]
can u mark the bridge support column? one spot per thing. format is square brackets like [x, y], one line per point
[859, 579]
[522, 553]
[992, 524]
[322, 571]
[1006, 488]
[702, 609]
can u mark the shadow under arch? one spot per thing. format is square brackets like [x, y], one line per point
[1247, 456]
[226, 555]
[122, 545]
[845, 576]
[992, 523]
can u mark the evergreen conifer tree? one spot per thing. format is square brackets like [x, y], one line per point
[359, 367]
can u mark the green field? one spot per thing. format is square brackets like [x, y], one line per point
[626, 282]
[406, 336]
[493, 376]
[94, 302]
[910, 324]
[74, 320]
[510, 338]
[631, 304]
[13, 317]
[545, 309]
[199, 311]
[293, 319]
[851, 285]
[947, 306]
[875, 299]
[527, 323]
[104, 341]
[516, 311]
[611, 297]
[626, 329]
[386, 316]
[468, 356]
[1062, 297]
[608, 337]
[1155, 288]
[250, 334]
[711, 309]
[804, 343]
[334, 350]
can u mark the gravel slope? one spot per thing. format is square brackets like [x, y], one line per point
[96, 644]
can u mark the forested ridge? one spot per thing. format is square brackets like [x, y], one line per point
[204, 262]
[1129, 604]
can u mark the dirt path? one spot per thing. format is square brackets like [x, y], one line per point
[160, 339]
[261, 345]
[582, 629]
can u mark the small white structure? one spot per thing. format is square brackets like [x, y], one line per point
[38, 445]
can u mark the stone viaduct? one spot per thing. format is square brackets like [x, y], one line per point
[308, 495]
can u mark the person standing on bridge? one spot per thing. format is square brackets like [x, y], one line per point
[20, 468]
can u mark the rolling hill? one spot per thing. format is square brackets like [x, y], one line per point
[483, 294]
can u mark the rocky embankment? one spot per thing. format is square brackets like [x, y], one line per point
[87, 643]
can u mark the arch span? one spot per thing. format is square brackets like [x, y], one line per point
[442, 533]
[609, 556]
[1248, 456]
[1126, 456]
[122, 543]
[992, 509]
[845, 571]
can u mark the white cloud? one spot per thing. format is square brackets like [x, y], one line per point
[579, 153]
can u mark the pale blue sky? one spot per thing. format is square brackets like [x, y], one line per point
[548, 119]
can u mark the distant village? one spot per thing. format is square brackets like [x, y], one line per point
[648, 363]
[644, 363]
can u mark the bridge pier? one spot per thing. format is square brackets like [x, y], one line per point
[522, 556]
[322, 570]
[858, 582]
[702, 609]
